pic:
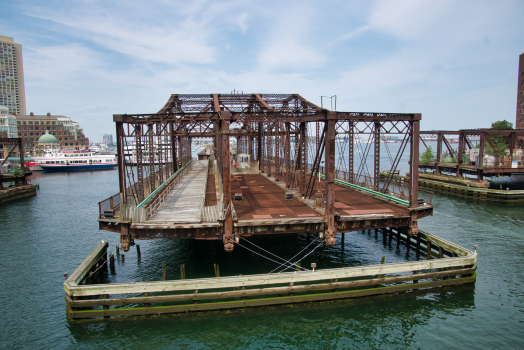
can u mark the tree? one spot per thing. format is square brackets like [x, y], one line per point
[502, 124]
[427, 156]
[501, 142]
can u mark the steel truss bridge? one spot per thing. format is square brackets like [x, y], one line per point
[309, 170]
[501, 164]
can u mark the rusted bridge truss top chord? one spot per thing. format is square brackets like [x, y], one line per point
[292, 141]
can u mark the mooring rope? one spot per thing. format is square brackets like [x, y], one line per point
[265, 257]
[103, 263]
[295, 255]
[322, 242]
[285, 262]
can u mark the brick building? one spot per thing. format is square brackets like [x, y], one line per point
[69, 134]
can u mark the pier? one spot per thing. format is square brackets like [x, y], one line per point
[281, 176]
[13, 183]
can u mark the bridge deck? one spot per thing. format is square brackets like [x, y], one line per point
[263, 199]
[184, 204]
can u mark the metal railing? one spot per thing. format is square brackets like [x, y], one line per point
[112, 202]
[164, 190]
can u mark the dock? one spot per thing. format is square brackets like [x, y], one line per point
[14, 183]
[273, 171]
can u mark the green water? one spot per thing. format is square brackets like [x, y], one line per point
[44, 236]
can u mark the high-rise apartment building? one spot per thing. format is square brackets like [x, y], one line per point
[519, 123]
[12, 89]
[8, 123]
[108, 139]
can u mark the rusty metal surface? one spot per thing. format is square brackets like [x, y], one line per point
[353, 202]
[211, 194]
[263, 199]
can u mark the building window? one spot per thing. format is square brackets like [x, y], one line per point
[37, 122]
[25, 134]
[25, 127]
[54, 127]
[36, 128]
[47, 123]
[53, 123]
[30, 134]
[30, 128]
[30, 122]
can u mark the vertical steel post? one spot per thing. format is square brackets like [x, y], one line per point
[303, 157]
[330, 237]
[439, 153]
[287, 154]
[376, 164]
[259, 146]
[413, 172]
[174, 165]
[227, 238]
[139, 158]
[121, 159]
[351, 137]
[460, 154]
[277, 151]
[152, 174]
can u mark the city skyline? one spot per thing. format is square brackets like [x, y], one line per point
[456, 63]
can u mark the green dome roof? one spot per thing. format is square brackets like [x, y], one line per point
[47, 138]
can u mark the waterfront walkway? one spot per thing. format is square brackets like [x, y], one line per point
[184, 204]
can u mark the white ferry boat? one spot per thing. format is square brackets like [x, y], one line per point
[54, 160]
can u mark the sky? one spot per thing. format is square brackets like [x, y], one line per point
[455, 62]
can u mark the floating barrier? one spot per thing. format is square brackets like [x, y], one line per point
[446, 264]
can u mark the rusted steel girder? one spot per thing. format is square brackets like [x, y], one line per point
[227, 237]
[376, 156]
[330, 237]
[413, 175]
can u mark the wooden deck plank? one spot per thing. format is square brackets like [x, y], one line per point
[184, 203]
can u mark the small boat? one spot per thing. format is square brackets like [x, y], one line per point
[54, 160]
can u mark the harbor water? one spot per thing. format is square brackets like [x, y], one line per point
[45, 236]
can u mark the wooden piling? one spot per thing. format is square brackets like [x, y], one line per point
[164, 272]
[106, 307]
[183, 271]
[123, 257]
[146, 294]
[117, 252]
[112, 263]
[217, 270]
[382, 262]
[138, 254]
